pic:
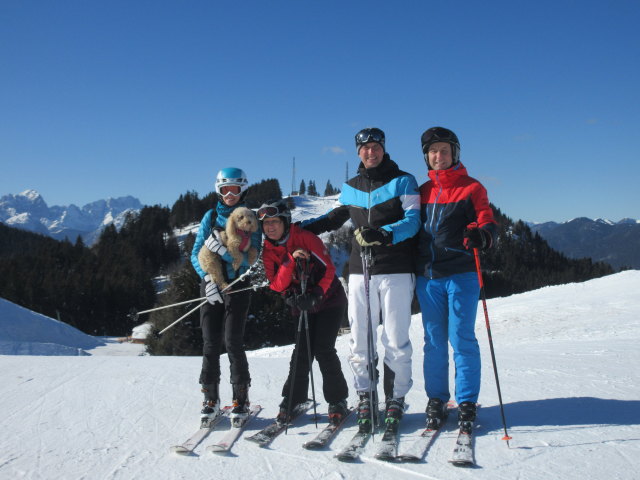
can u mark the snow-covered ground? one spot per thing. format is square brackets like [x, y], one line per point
[567, 357]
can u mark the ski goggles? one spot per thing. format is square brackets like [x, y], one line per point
[437, 134]
[234, 190]
[367, 135]
[268, 212]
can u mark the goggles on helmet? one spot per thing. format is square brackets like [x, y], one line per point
[234, 190]
[438, 134]
[268, 212]
[367, 135]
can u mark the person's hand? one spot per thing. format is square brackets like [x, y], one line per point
[307, 301]
[475, 237]
[214, 244]
[211, 291]
[300, 254]
[369, 237]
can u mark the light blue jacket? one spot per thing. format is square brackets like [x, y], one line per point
[217, 218]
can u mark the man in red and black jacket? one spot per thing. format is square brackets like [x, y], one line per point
[455, 218]
[289, 254]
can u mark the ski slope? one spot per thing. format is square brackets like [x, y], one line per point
[567, 358]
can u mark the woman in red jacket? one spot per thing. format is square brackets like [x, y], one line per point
[290, 252]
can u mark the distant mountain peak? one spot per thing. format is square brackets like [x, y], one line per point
[29, 211]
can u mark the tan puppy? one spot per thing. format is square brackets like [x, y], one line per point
[237, 238]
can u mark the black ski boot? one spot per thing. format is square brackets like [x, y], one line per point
[210, 406]
[240, 406]
[436, 413]
[395, 410]
[337, 412]
[466, 416]
[365, 404]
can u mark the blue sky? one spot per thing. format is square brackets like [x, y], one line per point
[151, 98]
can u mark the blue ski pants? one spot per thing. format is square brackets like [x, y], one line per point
[449, 306]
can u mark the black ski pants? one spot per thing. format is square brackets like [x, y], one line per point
[323, 330]
[225, 321]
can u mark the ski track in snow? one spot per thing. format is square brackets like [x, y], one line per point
[567, 358]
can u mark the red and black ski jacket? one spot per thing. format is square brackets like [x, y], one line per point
[449, 202]
[284, 277]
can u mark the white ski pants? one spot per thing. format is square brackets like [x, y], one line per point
[390, 298]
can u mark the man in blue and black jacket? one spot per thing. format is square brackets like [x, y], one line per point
[383, 203]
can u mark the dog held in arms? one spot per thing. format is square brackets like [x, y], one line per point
[237, 238]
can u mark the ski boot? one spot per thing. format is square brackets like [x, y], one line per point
[240, 406]
[395, 410]
[466, 416]
[210, 405]
[337, 412]
[364, 411]
[436, 413]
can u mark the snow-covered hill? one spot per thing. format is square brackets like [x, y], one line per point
[29, 211]
[567, 358]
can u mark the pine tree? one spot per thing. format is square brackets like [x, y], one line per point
[303, 188]
[311, 190]
[329, 190]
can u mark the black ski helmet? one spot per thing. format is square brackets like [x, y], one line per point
[369, 134]
[440, 134]
[275, 208]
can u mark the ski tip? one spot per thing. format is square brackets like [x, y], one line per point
[180, 450]
[347, 458]
[312, 445]
[462, 463]
[408, 459]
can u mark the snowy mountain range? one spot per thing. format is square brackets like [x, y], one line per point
[565, 355]
[616, 243]
[29, 211]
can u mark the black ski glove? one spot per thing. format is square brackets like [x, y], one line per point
[305, 301]
[476, 238]
[369, 237]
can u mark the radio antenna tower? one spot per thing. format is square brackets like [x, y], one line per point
[293, 177]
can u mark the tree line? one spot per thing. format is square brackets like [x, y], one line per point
[311, 189]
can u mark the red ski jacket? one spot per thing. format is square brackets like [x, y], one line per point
[449, 202]
[280, 267]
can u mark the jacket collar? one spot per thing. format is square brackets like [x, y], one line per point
[449, 176]
[386, 168]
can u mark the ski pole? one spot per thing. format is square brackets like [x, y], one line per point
[181, 318]
[252, 287]
[493, 355]
[292, 377]
[373, 382]
[240, 278]
[303, 285]
[133, 314]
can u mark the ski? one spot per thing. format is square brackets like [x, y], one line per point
[416, 451]
[223, 445]
[267, 434]
[388, 446]
[352, 450]
[326, 434]
[463, 450]
[194, 440]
